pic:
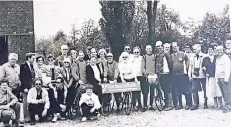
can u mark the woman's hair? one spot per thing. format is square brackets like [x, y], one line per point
[37, 79]
[137, 48]
[61, 78]
[37, 58]
[4, 81]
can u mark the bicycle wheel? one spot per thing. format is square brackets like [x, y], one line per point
[159, 101]
[107, 106]
[127, 103]
[75, 108]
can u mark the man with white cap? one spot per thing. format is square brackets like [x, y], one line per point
[11, 72]
[64, 51]
[222, 73]
[197, 76]
[127, 49]
[163, 67]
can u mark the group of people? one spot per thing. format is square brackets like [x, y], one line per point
[48, 86]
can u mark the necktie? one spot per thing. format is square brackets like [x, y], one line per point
[32, 70]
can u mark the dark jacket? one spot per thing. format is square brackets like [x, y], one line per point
[90, 75]
[209, 67]
[26, 76]
[159, 62]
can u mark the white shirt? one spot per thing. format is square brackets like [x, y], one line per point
[137, 65]
[127, 70]
[165, 66]
[96, 72]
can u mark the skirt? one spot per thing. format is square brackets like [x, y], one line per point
[213, 89]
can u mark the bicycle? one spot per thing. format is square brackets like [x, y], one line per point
[107, 104]
[127, 102]
[158, 98]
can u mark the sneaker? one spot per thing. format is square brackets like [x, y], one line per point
[54, 119]
[36, 117]
[32, 123]
[84, 119]
[194, 107]
[139, 107]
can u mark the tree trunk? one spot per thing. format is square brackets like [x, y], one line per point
[150, 22]
[154, 21]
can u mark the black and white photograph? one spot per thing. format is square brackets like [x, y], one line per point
[111, 63]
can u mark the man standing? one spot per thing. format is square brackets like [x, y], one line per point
[222, 73]
[148, 67]
[11, 72]
[180, 81]
[27, 76]
[64, 51]
[127, 49]
[196, 75]
[163, 67]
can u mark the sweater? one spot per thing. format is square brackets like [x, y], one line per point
[92, 100]
[223, 67]
[179, 63]
[148, 64]
[196, 63]
[112, 70]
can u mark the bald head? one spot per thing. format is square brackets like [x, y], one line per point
[64, 49]
[148, 49]
[220, 50]
[228, 44]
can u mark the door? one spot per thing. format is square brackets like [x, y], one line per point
[3, 49]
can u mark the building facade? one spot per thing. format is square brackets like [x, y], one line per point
[16, 29]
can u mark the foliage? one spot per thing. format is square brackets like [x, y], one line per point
[116, 23]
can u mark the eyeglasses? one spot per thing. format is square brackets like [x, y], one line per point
[136, 52]
[59, 82]
[40, 60]
[65, 49]
[125, 57]
[66, 62]
[127, 49]
[50, 60]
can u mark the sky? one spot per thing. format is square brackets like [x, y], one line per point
[51, 16]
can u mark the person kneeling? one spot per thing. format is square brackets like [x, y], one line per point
[59, 105]
[38, 101]
[9, 106]
[90, 104]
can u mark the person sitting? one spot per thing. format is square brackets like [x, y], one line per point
[59, 110]
[9, 106]
[90, 104]
[38, 101]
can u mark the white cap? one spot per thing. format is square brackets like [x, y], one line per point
[13, 56]
[174, 44]
[219, 47]
[110, 54]
[159, 43]
[102, 51]
[167, 45]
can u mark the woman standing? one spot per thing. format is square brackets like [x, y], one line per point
[137, 61]
[213, 89]
[102, 64]
[94, 77]
[128, 74]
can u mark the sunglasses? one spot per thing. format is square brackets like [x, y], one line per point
[127, 49]
[38, 84]
[66, 62]
[136, 52]
[50, 60]
[65, 49]
[125, 57]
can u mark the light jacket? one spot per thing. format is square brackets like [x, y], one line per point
[11, 74]
[223, 67]
[194, 63]
[94, 99]
[32, 95]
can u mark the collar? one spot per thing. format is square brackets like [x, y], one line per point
[200, 54]
[8, 64]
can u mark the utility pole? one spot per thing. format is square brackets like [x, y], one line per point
[154, 20]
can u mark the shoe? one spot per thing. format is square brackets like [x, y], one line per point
[16, 123]
[139, 107]
[151, 108]
[167, 109]
[54, 119]
[144, 109]
[36, 117]
[194, 107]
[84, 119]
[32, 123]
[206, 106]
[179, 107]
[118, 110]
[187, 107]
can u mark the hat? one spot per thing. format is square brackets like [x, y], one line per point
[167, 45]
[159, 43]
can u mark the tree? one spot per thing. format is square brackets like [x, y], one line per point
[213, 28]
[116, 23]
[60, 36]
[74, 34]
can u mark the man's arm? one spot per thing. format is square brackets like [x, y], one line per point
[227, 68]
[2, 72]
[13, 98]
[116, 74]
